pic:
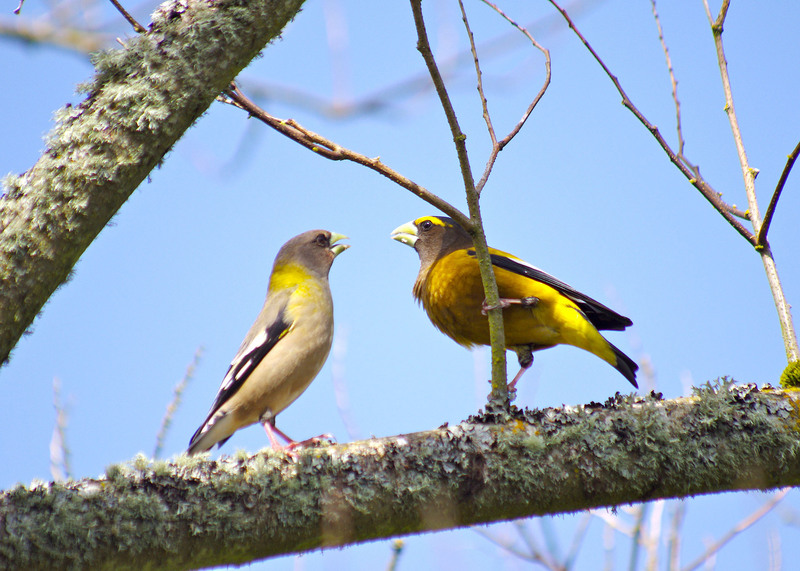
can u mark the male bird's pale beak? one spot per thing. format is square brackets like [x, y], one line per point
[338, 248]
[407, 234]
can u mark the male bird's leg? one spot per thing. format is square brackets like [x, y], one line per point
[506, 302]
[525, 358]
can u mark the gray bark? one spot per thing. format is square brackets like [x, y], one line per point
[143, 98]
[193, 512]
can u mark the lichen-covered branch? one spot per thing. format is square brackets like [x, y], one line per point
[193, 512]
[143, 98]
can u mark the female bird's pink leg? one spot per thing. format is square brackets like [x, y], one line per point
[271, 431]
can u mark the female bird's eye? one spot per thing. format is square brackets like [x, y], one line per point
[321, 240]
[425, 225]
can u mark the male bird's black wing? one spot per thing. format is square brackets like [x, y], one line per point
[602, 317]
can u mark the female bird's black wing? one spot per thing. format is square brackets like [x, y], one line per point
[246, 360]
[602, 317]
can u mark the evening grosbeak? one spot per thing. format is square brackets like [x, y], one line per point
[284, 349]
[539, 311]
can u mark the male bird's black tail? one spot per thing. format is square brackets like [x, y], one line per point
[626, 366]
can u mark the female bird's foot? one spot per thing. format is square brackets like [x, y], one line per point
[326, 438]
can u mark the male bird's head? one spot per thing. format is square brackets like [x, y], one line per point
[433, 237]
[313, 251]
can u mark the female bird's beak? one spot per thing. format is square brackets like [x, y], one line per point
[407, 234]
[338, 248]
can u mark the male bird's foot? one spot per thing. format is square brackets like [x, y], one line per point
[506, 302]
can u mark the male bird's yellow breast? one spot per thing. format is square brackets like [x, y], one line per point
[452, 294]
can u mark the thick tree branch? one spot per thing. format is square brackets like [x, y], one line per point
[143, 98]
[194, 512]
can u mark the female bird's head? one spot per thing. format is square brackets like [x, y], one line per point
[313, 251]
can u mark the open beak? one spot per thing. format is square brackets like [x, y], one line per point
[338, 248]
[407, 234]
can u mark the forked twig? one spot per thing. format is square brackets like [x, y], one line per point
[738, 528]
[761, 239]
[672, 80]
[690, 172]
[498, 146]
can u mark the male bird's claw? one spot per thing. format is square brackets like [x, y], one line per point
[506, 302]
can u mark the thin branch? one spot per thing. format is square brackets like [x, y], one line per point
[137, 27]
[533, 553]
[749, 174]
[577, 540]
[672, 79]
[692, 174]
[340, 393]
[479, 76]
[739, 528]
[498, 146]
[172, 407]
[674, 539]
[499, 394]
[60, 467]
[335, 152]
[636, 540]
[397, 550]
[654, 534]
[761, 239]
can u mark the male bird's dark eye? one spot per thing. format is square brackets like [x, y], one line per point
[322, 240]
[425, 225]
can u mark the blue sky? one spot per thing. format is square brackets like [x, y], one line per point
[583, 192]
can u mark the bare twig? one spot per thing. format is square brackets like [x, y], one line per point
[749, 174]
[738, 528]
[672, 79]
[674, 539]
[479, 76]
[59, 451]
[654, 534]
[761, 239]
[137, 27]
[475, 227]
[577, 540]
[532, 552]
[338, 353]
[335, 152]
[690, 172]
[166, 421]
[636, 540]
[498, 146]
[397, 550]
